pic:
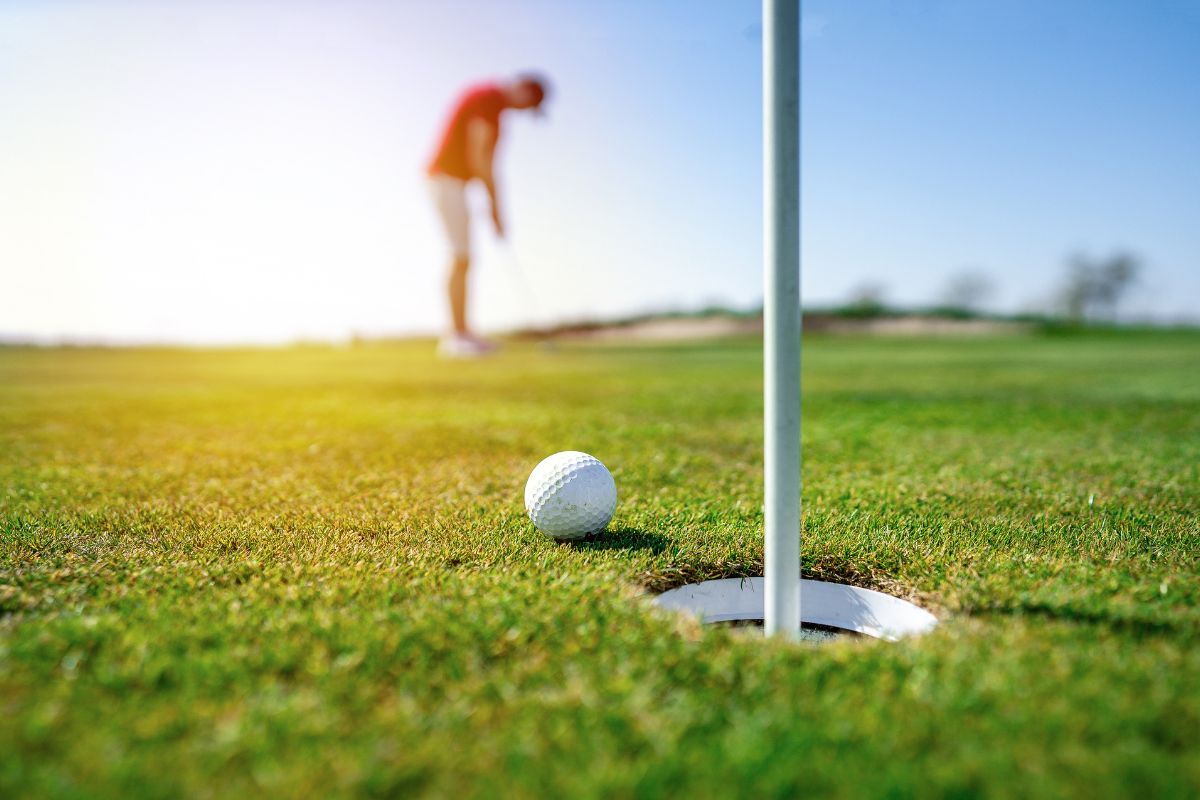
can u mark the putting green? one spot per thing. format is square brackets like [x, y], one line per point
[307, 571]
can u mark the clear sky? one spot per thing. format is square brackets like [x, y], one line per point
[241, 170]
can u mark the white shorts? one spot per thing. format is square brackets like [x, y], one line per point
[450, 199]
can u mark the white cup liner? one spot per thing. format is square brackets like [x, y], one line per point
[834, 605]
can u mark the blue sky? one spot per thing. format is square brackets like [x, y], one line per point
[251, 171]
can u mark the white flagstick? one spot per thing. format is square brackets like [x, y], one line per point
[781, 314]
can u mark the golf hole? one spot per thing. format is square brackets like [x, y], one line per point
[827, 610]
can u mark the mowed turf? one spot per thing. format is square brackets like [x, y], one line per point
[308, 572]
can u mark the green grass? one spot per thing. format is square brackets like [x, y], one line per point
[307, 572]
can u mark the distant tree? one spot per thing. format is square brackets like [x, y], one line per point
[1079, 289]
[1117, 276]
[967, 292]
[867, 300]
[1094, 287]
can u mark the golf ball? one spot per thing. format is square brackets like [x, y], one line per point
[570, 495]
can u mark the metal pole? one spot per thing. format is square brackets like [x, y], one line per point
[781, 313]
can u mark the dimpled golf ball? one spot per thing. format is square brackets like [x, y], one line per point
[570, 495]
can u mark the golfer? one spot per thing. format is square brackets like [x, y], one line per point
[466, 153]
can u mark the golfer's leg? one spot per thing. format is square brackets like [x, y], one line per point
[458, 293]
[450, 198]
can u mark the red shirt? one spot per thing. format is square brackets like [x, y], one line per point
[485, 102]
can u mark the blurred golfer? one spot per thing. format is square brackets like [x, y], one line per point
[467, 152]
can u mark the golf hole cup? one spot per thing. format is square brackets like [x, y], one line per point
[570, 495]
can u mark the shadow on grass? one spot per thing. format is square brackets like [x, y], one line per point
[623, 539]
[1122, 623]
[663, 578]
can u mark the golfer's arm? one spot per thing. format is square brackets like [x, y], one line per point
[481, 147]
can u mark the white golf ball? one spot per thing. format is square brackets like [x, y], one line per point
[570, 495]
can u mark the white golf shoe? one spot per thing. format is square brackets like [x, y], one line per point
[464, 345]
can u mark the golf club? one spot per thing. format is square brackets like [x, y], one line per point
[527, 301]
